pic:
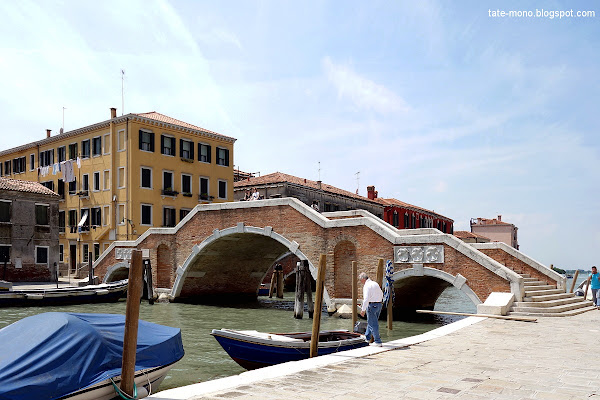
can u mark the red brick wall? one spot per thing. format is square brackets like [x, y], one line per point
[516, 265]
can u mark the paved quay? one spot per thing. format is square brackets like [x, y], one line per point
[475, 358]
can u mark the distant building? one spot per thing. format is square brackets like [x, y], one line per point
[29, 247]
[470, 237]
[496, 230]
[407, 216]
[325, 197]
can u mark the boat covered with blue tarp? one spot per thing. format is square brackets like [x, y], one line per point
[60, 355]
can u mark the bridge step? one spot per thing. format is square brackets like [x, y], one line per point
[530, 280]
[548, 303]
[535, 282]
[538, 287]
[549, 297]
[530, 293]
[553, 309]
[553, 314]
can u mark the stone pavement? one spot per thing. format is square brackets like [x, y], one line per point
[553, 358]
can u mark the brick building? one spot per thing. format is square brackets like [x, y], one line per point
[28, 231]
[470, 237]
[497, 230]
[407, 216]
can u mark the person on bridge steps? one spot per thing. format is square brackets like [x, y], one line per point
[371, 305]
[595, 286]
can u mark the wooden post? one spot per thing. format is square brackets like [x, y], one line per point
[280, 283]
[300, 287]
[150, 286]
[273, 281]
[314, 338]
[574, 280]
[91, 270]
[354, 294]
[56, 272]
[379, 278]
[308, 289]
[390, 310]
[132, 315]
[589, 279]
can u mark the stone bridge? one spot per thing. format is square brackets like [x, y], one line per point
[226, 249]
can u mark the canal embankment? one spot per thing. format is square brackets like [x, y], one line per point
[474, 358]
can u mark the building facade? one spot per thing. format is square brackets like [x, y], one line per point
[119, 177]
[470, 237]
[29, 248]
[496, 230]
[407, 216]
[326, 198]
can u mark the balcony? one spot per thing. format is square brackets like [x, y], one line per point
[169, 192]
[205, 197]
[186, 194]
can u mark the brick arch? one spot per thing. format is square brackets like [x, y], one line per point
[117, 272]
[196, 273]
[343, 254]
[419, 288]
[164, 271]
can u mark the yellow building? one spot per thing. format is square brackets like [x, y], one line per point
[119, 177]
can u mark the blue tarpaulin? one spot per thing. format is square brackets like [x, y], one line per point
[50, 355]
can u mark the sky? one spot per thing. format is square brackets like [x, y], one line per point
[435, 103]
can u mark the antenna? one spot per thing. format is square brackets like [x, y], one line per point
[319, 170]
[122, 91]
[357, 181]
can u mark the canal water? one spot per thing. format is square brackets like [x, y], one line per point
[205, 360]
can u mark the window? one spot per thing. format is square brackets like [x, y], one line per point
[41, 255]
[48, 184]
[186, 149]
[168, 181]
[72, 151]
[97, 146]
[183, 212]
[46, 158]
[146, 178]
[62, 153]
[121, 141]
[167, 145]
[61, 188]
[186, 184]
[61, 252]
[222, 156]
[146, 214]
[105, 216]
[41, 214]
[121, 214]
[4, 253]
[31, 162]
[146, 141]
[96, 181]
[85, 248]
[396, 220]
[19, 165]
[106, 179]
[85, 213]
[73, 187]
[85, 185]
[107, 143]
[85, 148]
[61, 222]
[96, 251]
[222, 189]
[6, 168]
[121, 178]
[96, 216]
[73, 218]
[5, 211]
[1, 168]
[203, 152]
[168, 216]
[204, 192]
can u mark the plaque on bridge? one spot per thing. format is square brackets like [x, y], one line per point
[419, 254]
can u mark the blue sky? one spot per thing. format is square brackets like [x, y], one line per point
[435, 103]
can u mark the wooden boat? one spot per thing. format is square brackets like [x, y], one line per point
[78, 356]
[252, 349]
[102, 293]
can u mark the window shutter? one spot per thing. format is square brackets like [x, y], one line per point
[141, 139]
[151, 141]
[209, 151]
[227, 157]
[162, 144]
[191, 150]
[180, 147]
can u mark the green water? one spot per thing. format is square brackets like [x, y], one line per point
[205, 360]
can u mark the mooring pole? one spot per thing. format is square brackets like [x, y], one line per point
[279, 281]
[379, 278]
[589, 279]
[574, 280]
[56, 272]
[354, 294]
[300, 287]
[314, 338]
[91, 269]
[308, 289]
[132, 315]
[148, 272]
[390, 311]
[273, 282]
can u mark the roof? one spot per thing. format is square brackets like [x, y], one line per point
[469, 235]
[486, 221]
[153, 115]
[280, 177]
[398, 203]
[18, 185]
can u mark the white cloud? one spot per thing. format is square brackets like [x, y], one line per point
[364, 93]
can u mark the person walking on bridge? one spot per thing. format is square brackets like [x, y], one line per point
[594, 280]
[371, 305]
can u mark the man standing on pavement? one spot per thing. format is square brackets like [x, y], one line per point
[371, 305]
[595, 286]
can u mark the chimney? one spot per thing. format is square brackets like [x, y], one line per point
[499, 218]
[319, 185]
[113, 113]
[48, 132]
[371, 193]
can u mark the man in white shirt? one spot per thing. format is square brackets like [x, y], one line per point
[371, 305]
